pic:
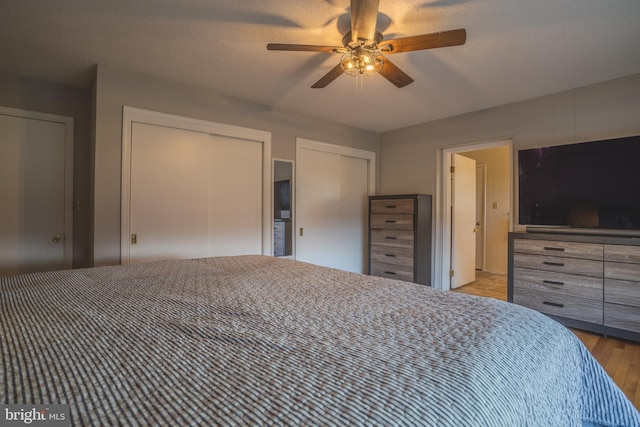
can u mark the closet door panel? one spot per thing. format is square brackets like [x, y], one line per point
[235, 202]
[193, 194]
[169, 187]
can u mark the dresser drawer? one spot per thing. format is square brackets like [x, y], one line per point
[559, 283]
[587, 310]
[399, 238]
[591, 251]
[621, 253]
[392, 206]
[622, 271]
[391, 271]
[582, 267]
[398, 221]
[622, 317]
[392, 255]
[622, 292]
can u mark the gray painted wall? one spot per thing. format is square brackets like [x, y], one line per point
[115, 89]
[408, 158]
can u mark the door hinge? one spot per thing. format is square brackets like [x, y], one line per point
[451, 273]
[453, 169]
[134, 239]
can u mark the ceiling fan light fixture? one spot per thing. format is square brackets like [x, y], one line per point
[361, 61]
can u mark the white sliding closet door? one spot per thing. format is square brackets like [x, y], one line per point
[331, 204]
[193, 194]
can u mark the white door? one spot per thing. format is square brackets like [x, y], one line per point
[331, 209]
[35, 192]
[463, 244]
[193, 194]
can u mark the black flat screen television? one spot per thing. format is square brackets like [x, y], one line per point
[584, 185]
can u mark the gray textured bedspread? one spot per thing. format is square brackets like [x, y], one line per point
[257, 340]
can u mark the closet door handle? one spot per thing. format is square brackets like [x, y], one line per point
[553, 282]
[390, 221]
[550, 248]
[390, 255]
[390, 238]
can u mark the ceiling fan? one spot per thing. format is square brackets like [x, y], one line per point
[363, 47]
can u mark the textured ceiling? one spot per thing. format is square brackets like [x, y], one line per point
[515, 50]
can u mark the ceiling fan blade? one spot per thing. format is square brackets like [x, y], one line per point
[424, 41]
[329, 77]
[394, 74]
[304, 48]
[364, 16]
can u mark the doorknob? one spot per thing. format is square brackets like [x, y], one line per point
[56, 239]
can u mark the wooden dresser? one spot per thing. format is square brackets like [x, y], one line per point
[400, 237]
[622, 287]
[588, 281]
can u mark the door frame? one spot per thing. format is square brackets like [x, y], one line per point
[68, 123]
[481, 246]
[132, 114]
[443, 219]
[293, 205]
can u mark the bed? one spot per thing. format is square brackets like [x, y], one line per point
[256, 340]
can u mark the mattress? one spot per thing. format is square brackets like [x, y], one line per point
[256, 340]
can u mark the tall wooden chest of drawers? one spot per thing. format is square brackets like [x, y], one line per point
[400, 237]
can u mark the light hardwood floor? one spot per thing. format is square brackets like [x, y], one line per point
[620, 358]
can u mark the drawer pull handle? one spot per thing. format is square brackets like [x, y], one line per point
[553, 304]
[553, 282]
[549, 248]
[390, 221]
[390, 255]
[391, 206]
[390, 238]
[557, 264]
[390, 272]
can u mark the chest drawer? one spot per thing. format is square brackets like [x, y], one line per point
[387, 237]
[391, 271]
[392, 206]
[392, 255]
[577, 266]
[560, 283]
[591, 251]
[622, 253]
[622, 317]
[587, 310]
[622, 292]
[395, 221]
[622, 271]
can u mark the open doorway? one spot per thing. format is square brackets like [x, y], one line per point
[493, 161]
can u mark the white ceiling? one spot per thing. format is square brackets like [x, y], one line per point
[515, 50]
